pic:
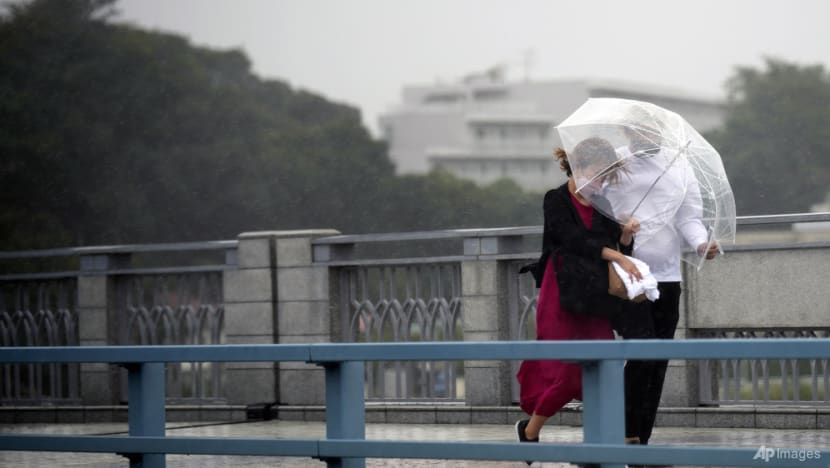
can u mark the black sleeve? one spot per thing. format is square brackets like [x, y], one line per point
[566, 232]
[615, 233]
[626, 249]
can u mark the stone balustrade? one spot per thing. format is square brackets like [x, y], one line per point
[313, 286]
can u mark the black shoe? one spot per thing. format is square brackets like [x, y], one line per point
[520, 434]
[520, 431]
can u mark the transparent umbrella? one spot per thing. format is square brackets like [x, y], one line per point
[667, 175]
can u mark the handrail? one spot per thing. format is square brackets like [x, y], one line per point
[537, 229]
[111, 269]
[575, 350]
[429, 235]
[344, 449]
[345, 444]
[783, 218]
[357, 238]
[121, 271]
[119, 249]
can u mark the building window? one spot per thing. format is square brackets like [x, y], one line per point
[443, 98]
[489, 94]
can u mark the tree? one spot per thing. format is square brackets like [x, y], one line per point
[776, 139]
[113, 134]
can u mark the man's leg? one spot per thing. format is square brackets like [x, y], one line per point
[665, 314]
[635, 322]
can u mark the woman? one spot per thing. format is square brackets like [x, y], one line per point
[571, 225]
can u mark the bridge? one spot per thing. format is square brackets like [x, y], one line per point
[320, 288]
[345, 444]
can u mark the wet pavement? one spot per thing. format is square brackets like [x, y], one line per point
[717, 437]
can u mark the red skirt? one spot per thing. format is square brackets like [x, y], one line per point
[546, 386]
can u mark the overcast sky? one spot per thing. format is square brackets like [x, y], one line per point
[362, 52]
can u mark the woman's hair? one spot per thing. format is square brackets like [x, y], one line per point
[589, 152]
[562, 157]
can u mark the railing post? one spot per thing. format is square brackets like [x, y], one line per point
[345, 408]
[603, 413]
[483, 295]
[146, 409]
[249, 300]
[302, 312]
[98, 317]
[277, 295]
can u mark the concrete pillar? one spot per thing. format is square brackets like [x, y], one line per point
[484, 305]
[95, 325]
[680, 388]
[303, 313]
[276, 295]
[250, 297]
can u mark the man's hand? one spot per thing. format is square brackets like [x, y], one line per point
[708, 249]
[631, 227]
[628, 230]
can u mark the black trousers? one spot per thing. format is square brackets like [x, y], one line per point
[644, 379]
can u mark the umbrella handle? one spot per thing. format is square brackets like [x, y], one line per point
[711, 236]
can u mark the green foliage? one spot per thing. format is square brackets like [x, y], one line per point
[112, 134]
[776, 141]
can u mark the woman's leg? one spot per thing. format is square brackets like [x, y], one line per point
[567, 387]
[535, 426]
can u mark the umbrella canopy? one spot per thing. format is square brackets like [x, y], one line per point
[666, 174]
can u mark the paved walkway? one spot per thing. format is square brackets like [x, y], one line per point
[815, 440]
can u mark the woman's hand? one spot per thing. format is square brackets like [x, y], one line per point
[630, 268]
[627, 265]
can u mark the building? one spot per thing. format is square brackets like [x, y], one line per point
[485, 128]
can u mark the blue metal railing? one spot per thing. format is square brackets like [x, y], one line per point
[345, 444]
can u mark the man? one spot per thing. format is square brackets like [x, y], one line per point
[660, 189]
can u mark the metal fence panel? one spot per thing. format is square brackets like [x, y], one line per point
[174, 309]
[764, 381]
[39, 313]
[399, 303]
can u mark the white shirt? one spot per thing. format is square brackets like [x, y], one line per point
[669, 210]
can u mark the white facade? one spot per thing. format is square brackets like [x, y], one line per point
[484, 130]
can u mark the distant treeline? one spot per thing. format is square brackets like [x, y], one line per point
[113, 134]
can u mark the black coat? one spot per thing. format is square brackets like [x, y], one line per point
[565, 233]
